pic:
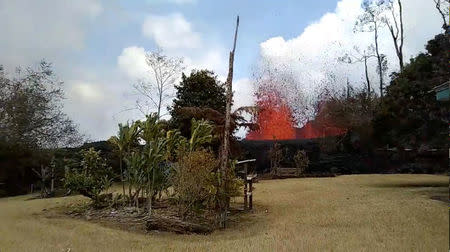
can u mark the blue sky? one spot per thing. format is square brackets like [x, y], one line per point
[260, 20]
[98, 47]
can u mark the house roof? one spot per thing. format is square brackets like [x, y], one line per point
[441, 87]
[442, 91]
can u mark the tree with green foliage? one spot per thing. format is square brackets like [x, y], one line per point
[91, 178]
[201, 89]
[32, 124]
[31, 109]
[410, 114]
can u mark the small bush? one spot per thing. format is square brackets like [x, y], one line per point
[91, 178]
[196, 183]
[193, 181]
[301, 161]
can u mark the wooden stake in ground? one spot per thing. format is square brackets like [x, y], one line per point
[226, 135]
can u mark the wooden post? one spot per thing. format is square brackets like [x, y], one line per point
[226, 135]
[245, 186]
[245, 194]
[250, 203]
[52, 184]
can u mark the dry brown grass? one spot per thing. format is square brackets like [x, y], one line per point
[347, 213]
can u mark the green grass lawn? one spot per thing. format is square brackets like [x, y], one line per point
[346, 213]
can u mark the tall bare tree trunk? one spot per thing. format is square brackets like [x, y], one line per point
[397, 32]
[367, 76]
[380, 63]
[226, 135]
[160, 102]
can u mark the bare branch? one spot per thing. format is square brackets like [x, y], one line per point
[163, 71]
[395, 26]
[443, 11]
[371, 21]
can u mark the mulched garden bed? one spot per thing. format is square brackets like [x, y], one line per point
[165, 218]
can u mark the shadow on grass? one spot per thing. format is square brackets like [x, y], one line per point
[435, 190]
[413, 185]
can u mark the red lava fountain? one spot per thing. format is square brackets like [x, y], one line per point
[275, 122]
[274, 119]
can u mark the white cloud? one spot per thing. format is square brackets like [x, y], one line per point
[85, 92]
[132, 62]
[32, 30]
[92, 105]
[171, 32]
[98, 107]
[243, 95]
[312, 55]
[209, 58]
[175, 35]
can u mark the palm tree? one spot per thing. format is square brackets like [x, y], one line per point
[201, 133]
[135, 174]
[120, 141]
[126, 138]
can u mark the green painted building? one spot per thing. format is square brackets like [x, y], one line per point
[442, 91]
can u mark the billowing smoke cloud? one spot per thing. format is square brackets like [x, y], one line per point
[310, 60]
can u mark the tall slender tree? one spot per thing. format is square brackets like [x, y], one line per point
[371, 21]
[394, 22]
[157, 89]
[361, 57]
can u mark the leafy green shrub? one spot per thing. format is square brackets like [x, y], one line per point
[193, 181]
[301, 161]
[196, 183]
[91, 178]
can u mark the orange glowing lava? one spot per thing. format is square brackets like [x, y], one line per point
[313, 129]
[274, 119]
[275, 122]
